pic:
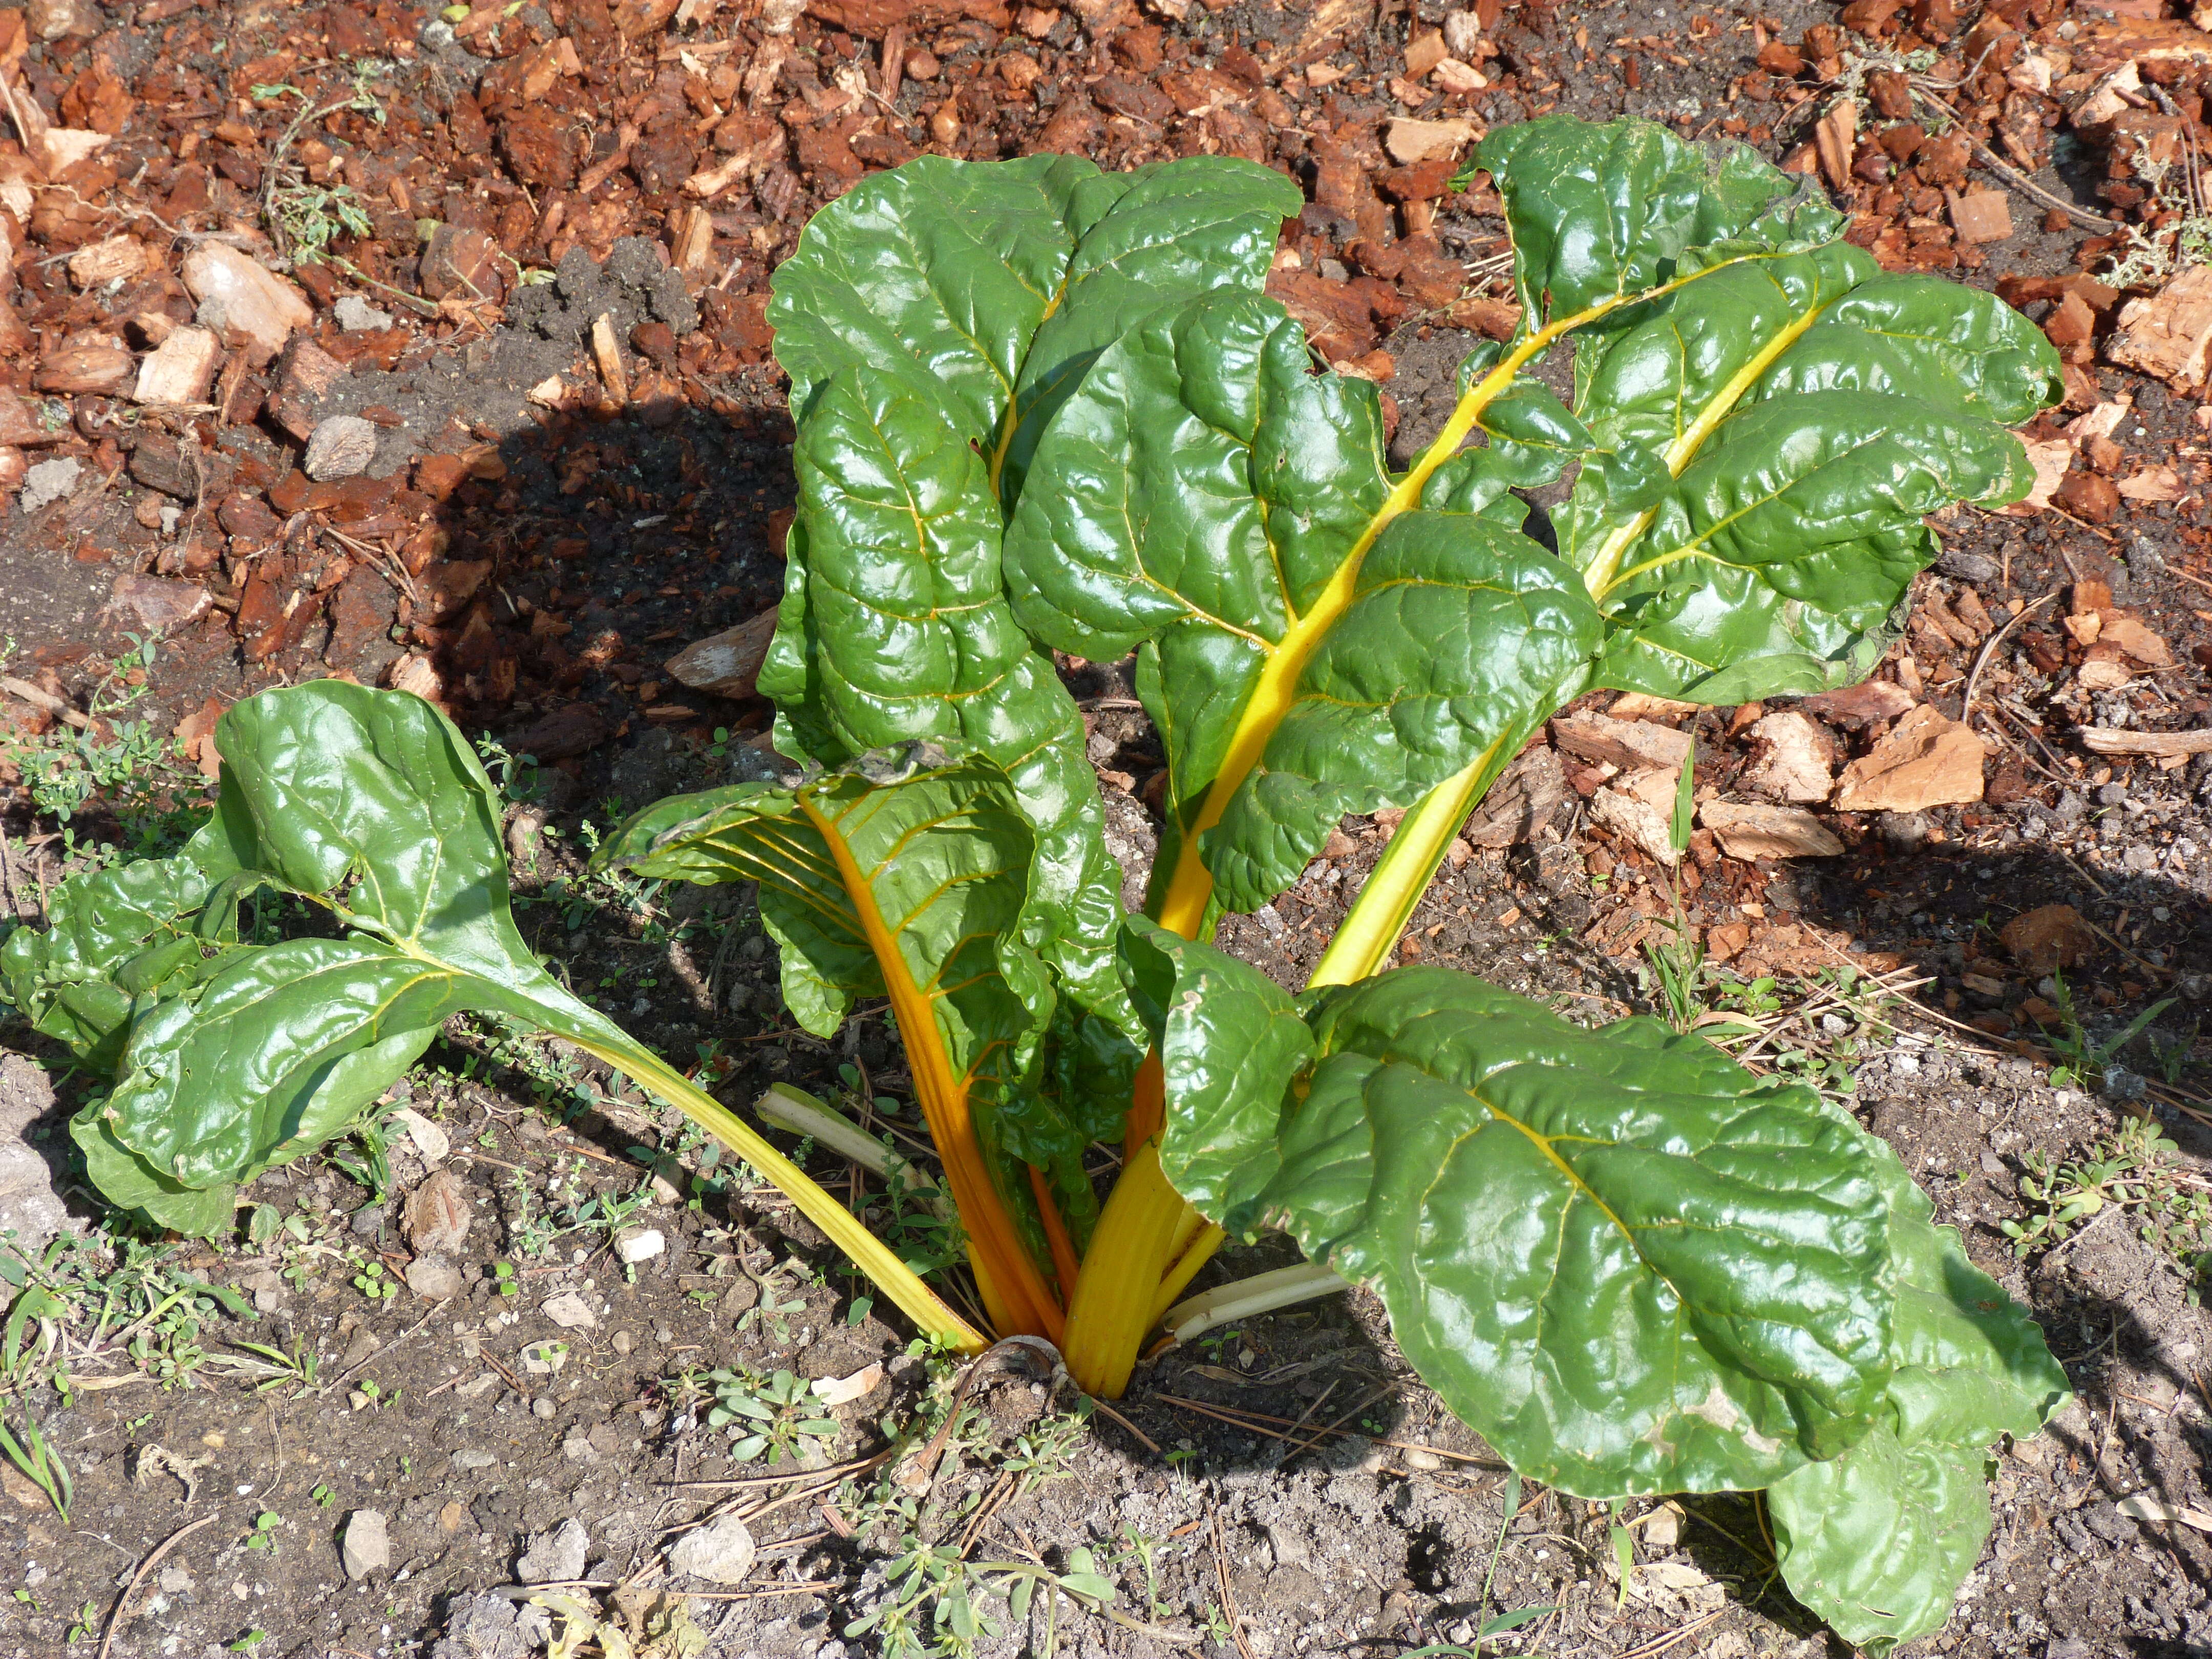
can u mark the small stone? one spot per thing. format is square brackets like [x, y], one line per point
[368, 1220]
[721, 1553]
[342, 447]
[555, 1556]
[1664, 1529]
[640, 1244]
[624, 1342]
[48, 482]
[433, 1278]
[569, 1311]
[474, 1460]
[364, 1548]
[357, 316]
[542, 1408]
[161, 605]
[437, 1215]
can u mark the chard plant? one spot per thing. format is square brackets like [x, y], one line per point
[1042, 409]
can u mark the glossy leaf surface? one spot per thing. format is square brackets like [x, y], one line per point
[1603, 212]
[931, 321]
[894, 626]
[1628, 1263]
[907, 876]
[140, 929]
[995, 283]
[1762, 447]
[1878, 1541]
[371, 808]
[1308, 649]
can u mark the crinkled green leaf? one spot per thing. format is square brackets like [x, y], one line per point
[995, 283]
[894, 626]
[1601, 211]
[1772, 563]
[931, 321]
[1712, 413]
[1971, 1362]
[127, 1180]
[1198, 497]
[369, 805]
[1631, 1265]
[947, 860]
[144, 929]
[1878, 1541]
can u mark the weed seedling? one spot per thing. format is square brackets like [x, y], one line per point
[371, 1282]
[263, 1534]
[773, 1416]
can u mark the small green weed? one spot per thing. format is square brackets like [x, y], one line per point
[2083, 1060]
[2131, 1169]
[776, 1416]
[373, 1282]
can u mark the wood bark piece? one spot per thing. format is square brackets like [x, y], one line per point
[160, 604]
[1640, 807]
[1632, 745]
[304, 378]
[2169, 334]
[234, 292]
[1795, 767]
[1409, 141]
[1980, 216]
[19, 428]
[1926, 760]
[100, 370]
[119, 258]
[726, 664]
[1522, 802]
[1836, 141]
[2113, 740]
[606, 350]
[1753, 830]
[692, 229]
[180, 369]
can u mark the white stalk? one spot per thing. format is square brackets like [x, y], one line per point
[1224, 1305]
[794, 1109]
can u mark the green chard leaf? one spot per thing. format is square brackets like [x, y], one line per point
[1601, 212]
[1763, 446]
[931, 321]
[907, 876]
[1309, 646]
[145, 929]
[1631, 1265]
[368, 806]
[995, 283]
[1878, 1541]
[895, 627]
[371, 808]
